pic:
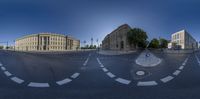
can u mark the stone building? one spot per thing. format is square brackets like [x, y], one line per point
[46, 42]
[183, 40]
[117, 39]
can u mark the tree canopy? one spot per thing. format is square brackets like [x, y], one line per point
[137, 38]
[163, 43]
[154, 43]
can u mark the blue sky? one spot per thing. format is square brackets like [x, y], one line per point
[84, 19]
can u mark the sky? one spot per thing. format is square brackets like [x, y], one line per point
[86, 19]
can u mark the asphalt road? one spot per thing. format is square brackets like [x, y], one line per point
[88, 75]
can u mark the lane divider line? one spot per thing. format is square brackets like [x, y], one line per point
[7, 73]
[123, 81]
[99, 61]
[167, 79]
[177, 72]
[35, 84]
[85, 63]
[64, 81]
[75, 75]
[110, 75]
[101, 65]
[197, 59]
[147, 83]
[17, 80]
[3, 68]
[181, 67]
[104, 69]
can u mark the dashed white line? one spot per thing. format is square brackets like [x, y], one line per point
[110, 75]
[104, 69]
[184, 64]
[75, 75]
[147, 83]
[17, 80]
[181, 67]
[64, 81]
[35, 84]
[3, 68]
[85, 63]
[101, 65]
[123, 81]
[197, 59]
[7, 73]
[177, 72]
[1, 64]
[166, 79]
[98, 61]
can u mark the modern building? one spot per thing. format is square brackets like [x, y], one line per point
[46, 42]
[117, 39]
[182, 40]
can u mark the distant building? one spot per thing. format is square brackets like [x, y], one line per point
[46, 42]
[182, 40]
[117, 39]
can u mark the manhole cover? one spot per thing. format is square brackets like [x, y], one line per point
[140, 73]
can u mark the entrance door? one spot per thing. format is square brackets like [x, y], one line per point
[45, 43]
[122, 45]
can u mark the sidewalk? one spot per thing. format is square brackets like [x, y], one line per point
[147, 59]
[52, 52]
[109, 52]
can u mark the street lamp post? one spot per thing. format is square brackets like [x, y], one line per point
[14, 45]
[97, 45]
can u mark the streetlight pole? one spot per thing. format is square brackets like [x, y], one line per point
[14, 45]
[97, 44]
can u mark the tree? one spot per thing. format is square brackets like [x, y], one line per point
[137, 38]
[163, 43]
[154, 43]
[1, 47]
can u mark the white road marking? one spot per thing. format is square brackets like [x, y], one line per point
[110, 75]
[177, 72]
[104, 69]
[98, 61]
[166, 79]
[7, 73]
[17, 80]
[35, 84]
[147, 83]
[75, 75]
[181, 67]
[85, 63]
[123, 81]
[183, 64]
[64, 81]
[101, 65]
[1, 64]
[197, 59]
[3, 68]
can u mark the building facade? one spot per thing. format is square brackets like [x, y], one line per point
[46, 42]
[183, 40]
[117, 39]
